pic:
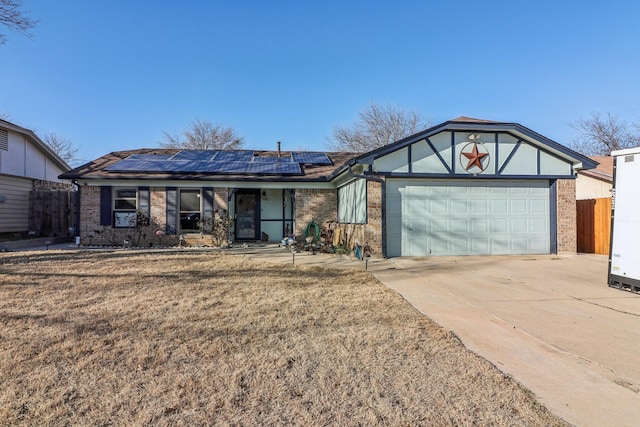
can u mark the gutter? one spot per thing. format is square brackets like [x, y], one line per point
[384, 201]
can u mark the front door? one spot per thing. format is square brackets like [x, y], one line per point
[247, 219]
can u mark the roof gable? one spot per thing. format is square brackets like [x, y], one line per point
[512, 150]
[37, 142]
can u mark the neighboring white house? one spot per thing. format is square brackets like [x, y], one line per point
[26, 164]
[595, 183]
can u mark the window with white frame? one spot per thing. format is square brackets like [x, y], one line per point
[190, 210]
[125, 205]
[352, 202]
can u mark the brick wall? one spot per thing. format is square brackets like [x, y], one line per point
[158, 208]
[89, 210]
[92, 233]
[316, 205]
[221, 199]
[566, 208]
[371, 232]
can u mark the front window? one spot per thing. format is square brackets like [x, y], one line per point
[189, 210]
[125, 204]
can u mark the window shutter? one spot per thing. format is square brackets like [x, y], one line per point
[172, 210]
[105, 205]
[144, 202]
[4, 140]
[207, 202]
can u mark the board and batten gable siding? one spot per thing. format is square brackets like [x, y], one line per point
[440, 154]
[14, 210]
[24, 159]
[352, 202]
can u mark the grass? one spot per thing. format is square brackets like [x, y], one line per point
[132, 338]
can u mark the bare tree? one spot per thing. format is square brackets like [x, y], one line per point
[64, 148]
[600, 135]
[375, 127]
[14, 18]
[203, 135]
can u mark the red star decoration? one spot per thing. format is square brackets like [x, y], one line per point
[475, 157]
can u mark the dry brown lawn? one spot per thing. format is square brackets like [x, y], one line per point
[132, 338]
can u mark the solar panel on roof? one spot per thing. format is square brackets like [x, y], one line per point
[265, 159]
[278, 168]
[233, 156]
[227, 167]
[311, 158]
[202, 155]
[137, 165]
[149, 156]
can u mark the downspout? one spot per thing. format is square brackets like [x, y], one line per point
[78, 208]
[384, 202]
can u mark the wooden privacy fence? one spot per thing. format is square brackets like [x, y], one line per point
[52, 212]
[594, 225]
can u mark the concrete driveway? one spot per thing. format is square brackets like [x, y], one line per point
[551, 322]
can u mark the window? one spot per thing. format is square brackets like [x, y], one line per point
[352, 202]
[190, 211]
[125, 204]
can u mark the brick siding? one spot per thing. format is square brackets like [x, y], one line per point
[221, 199]
[566, 208]
[92, 233]
[317, 205]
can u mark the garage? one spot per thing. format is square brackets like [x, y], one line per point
[471, 187]
[465, 217]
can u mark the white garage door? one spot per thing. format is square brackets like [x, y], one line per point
[467, 217]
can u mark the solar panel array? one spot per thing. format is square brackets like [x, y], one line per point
[242, 162]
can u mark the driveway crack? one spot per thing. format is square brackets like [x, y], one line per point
[604, 306]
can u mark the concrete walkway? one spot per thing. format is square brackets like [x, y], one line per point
[551, 322]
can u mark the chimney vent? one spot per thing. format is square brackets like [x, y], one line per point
[279, 152]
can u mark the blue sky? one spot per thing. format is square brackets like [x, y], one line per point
[114, 75]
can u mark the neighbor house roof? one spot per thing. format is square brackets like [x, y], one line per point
[465, 119]
[602, 172]
[109, 166]
[37, 142]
